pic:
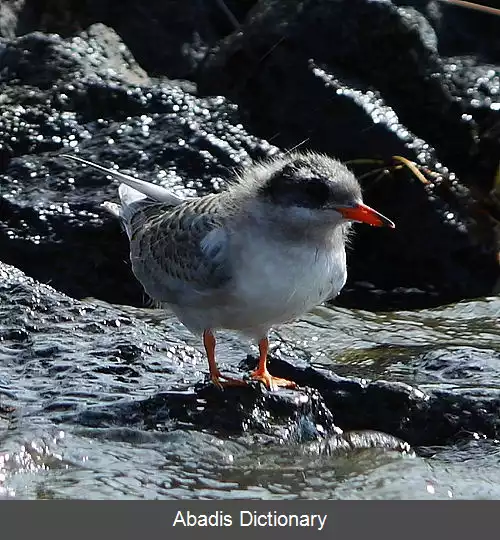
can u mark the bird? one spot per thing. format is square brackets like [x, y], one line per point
[258, 254]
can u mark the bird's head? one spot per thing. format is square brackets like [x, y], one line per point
[312, 190]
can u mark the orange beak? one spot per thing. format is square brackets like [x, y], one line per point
[364, 214]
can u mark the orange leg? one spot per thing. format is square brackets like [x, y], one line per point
[261, 374]
[215, 374]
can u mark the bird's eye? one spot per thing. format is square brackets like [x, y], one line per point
[293, 187]
[316, 193]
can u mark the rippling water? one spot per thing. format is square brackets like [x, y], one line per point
[44, 455]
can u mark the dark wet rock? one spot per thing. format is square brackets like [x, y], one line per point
[167, 37]
[291, 417]
[93, 365]
[438, 417]
[362, 79]
[335, 55]
[42, 60]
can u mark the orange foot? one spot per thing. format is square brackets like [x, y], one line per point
[271, 382]
[226, 381]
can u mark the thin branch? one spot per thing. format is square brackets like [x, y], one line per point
[472, 5]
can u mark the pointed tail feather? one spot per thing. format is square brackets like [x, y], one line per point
[135, 196]
[157, 193]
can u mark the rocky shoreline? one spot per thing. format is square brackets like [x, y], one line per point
[185, 101]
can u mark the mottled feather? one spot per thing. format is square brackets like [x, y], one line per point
[169, 251]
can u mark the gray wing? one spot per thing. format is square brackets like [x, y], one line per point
[179, 253]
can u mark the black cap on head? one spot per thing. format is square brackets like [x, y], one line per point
[313, 181]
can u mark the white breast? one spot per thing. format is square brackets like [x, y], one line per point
[275, 282]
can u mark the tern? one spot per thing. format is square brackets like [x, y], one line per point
[264, 252]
